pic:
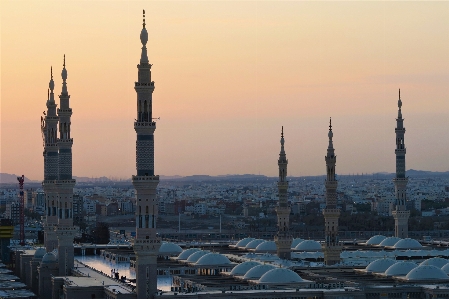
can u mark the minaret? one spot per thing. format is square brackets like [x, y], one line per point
[331, 246]
[283, 238]
[400, 212]
[49, 127]
[147, 243]
[64, 229]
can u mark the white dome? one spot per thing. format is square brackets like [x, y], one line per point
[407, 244]
[380, 265]
[296, 242]
[257, 271]
[170, 248]
[49, 258]
[390, 241]
[243, 242]
[400, 268]
[254, 243]
[40, 252]
[213, 259]
[308, 245]
[186, 253]
[280, 275]
[375, 240]
[426, 272]
[266, 246]
[435, 261]
[445, 268]
[194, 257]
[242, 268]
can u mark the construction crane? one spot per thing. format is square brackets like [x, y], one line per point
[21, 207]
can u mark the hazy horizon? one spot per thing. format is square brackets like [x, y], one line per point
[228, 75]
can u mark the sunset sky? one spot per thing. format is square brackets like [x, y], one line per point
[228, 75]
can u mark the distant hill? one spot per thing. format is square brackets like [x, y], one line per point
[6, 178]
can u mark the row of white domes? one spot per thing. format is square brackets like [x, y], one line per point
[251, 270]
[260, 245]
[432, 269]
[265, 273]
[203, 257]
[394, 242]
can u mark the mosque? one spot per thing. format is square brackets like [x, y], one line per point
[381, 267]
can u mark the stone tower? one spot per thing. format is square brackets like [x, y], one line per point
[400, 213]
[146, 243]
[331, 246]
[64, 229]
[283, 237]
[49, 127]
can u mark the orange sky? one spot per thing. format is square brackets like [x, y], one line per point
[228, 75]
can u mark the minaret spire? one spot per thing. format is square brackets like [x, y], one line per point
[400, 214]
[144, 40]
[283, 237]
[331, 246]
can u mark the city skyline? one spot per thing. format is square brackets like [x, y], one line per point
[227, 77]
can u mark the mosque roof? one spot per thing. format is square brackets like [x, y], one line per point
[257, 271]
[49, 258]
[186, 253]
[296, 242]
[243, 242]
[445, 268]
[194, 257]
[426, 272]
[280, 275]
[400, 268]
[380, 265]
[435, 261]
[39, 254]
[390, 241]
[407, 244]
[308, 245]
[375, 240]
[254, 243]
[213, 259]
[244, 267]
[170, 248]
[266, 246]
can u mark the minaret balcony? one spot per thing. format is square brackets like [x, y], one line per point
[147, 124]
[65, 111]
[65, 141]
[144, 84]
[145, 178]
[51, 118]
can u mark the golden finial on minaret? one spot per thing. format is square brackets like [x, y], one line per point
[143, 18]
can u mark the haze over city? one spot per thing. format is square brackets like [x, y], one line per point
[228, 75]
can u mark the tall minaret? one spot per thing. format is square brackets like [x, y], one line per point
[64, 229]
[331, 246]
[146, 243]
[400, 213]
[283, 238]
[49, 126]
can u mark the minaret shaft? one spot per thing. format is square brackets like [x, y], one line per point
[400, 213]
[147, 243]
[331, 246]
[283, 237]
